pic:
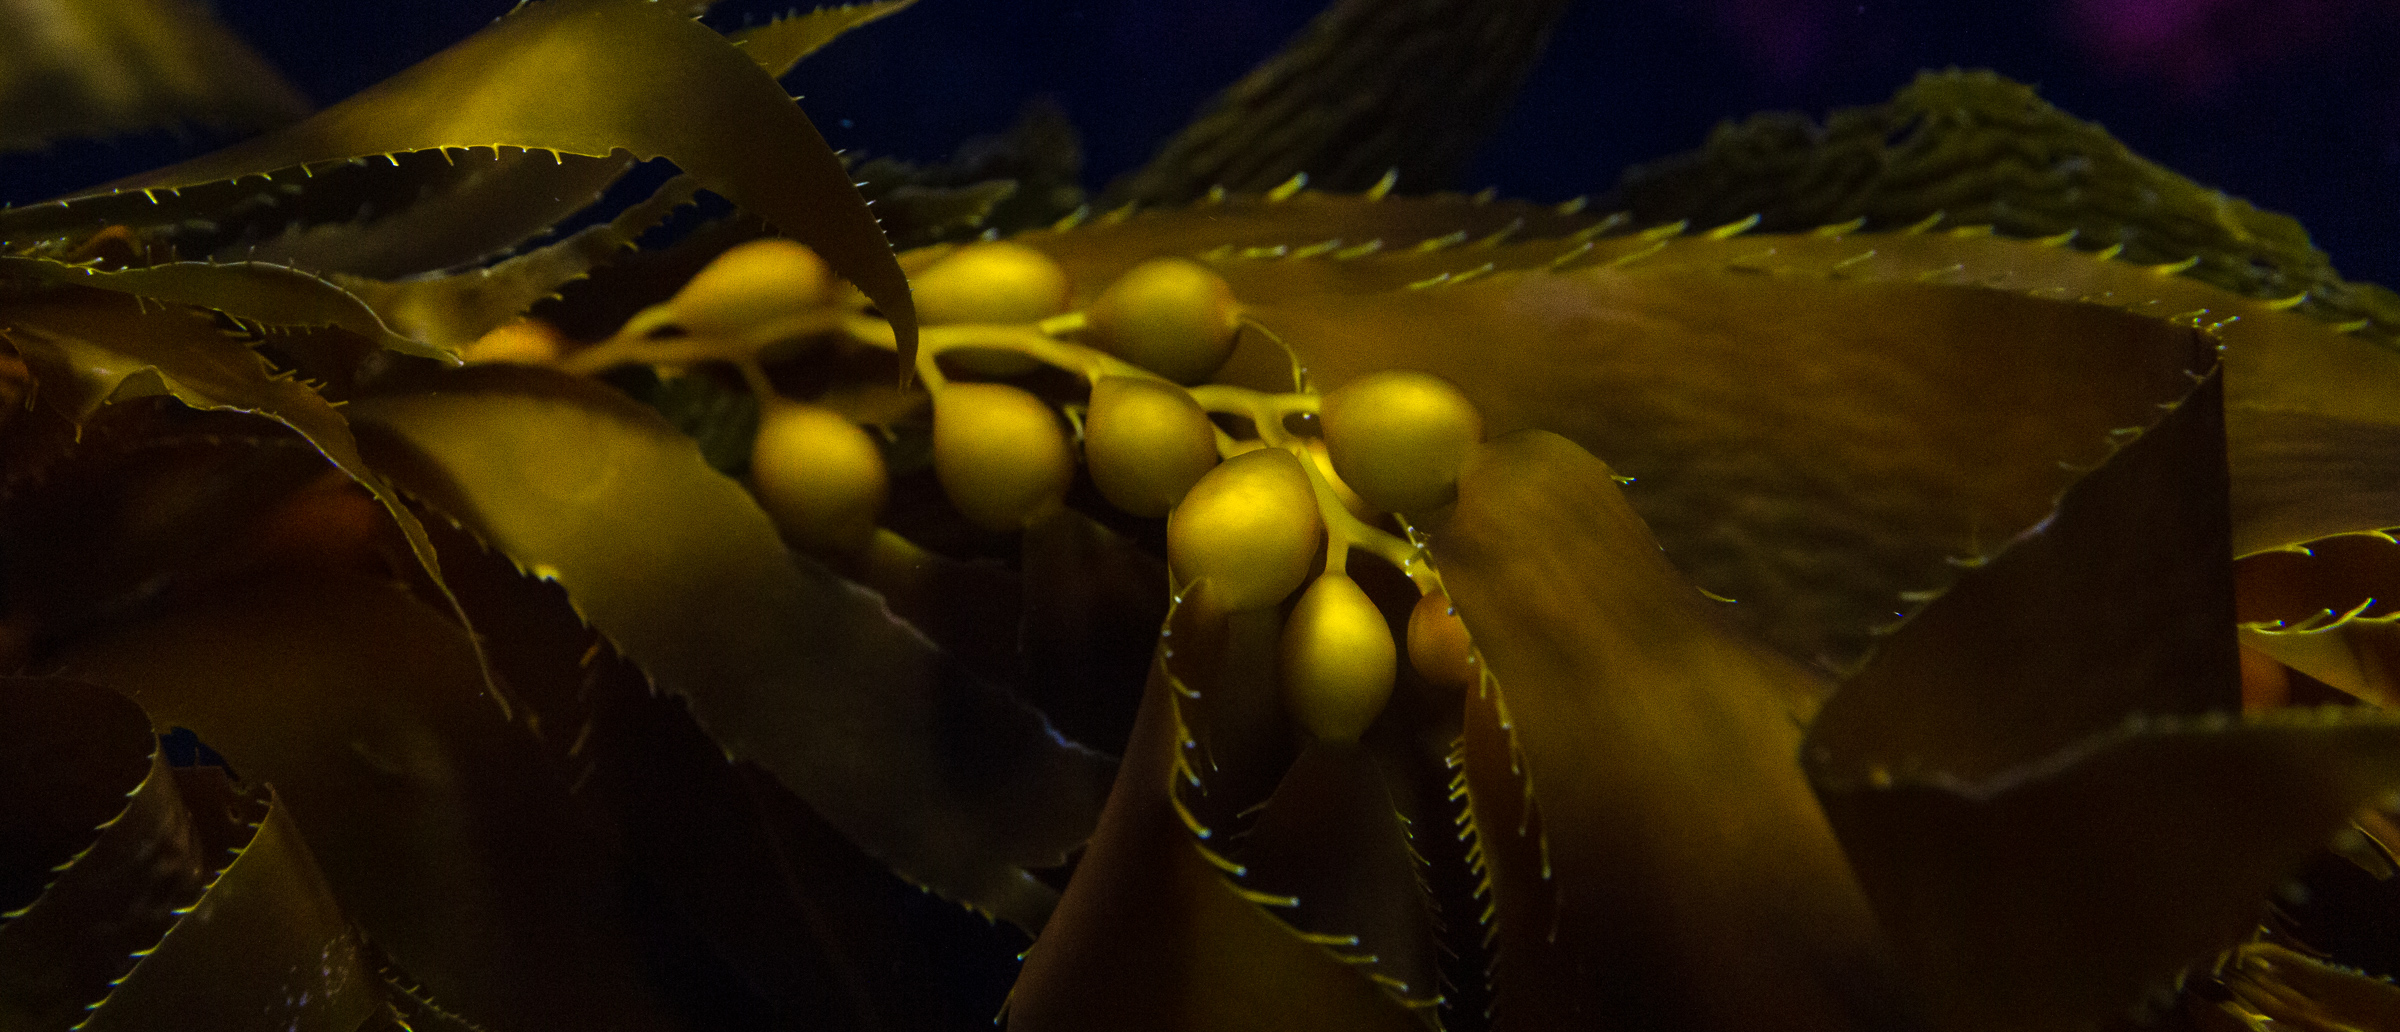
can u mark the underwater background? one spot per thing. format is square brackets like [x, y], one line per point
[2292, 104]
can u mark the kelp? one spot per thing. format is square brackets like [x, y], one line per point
[783, 663]
[1879, 583]
[191, 902]
[80, 68]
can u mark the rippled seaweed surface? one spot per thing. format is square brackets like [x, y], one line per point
[548, 542]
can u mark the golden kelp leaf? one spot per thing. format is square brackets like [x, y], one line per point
[449, 312]
[779, 45]
[266, 944]
[99, 847]
[784, 663]
[100, 67]
[498, 89]
[1150, 933]
[2311, 404]
[1254, 231]
[439, 827]
[90, 347]
[2041, 781]
[248, 292]
[391, 217]
[1959, 693]
[1824, 451]
[1692, 881]
[1333, 842]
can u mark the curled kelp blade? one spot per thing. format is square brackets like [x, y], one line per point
[267, 941]
[440, 827]
[1151, 933]
[1827, 452]
[101, 847]
[1975, 149]
[1677, 872]
[1368, 88]
[787, 665]
[80, 68]
[2043, 781]
[498, 89]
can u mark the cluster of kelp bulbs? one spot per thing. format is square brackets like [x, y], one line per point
[1250, 518]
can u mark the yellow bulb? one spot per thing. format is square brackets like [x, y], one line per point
[1250, 527]
[991, 282]
[1438, 646]
[1399, 438]
[1147, 443]
[1338, 660]
[1000, 453]
[750, 284]
[819, 475]
[1172, 316]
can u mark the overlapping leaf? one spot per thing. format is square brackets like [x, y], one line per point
[1641, 897]
[440, 829]
[956, 785]
[1151, 932]
[92, 347]
[638, 62]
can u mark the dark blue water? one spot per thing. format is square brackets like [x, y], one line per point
[2293, 104]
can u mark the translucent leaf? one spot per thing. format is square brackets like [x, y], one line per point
[439, 828]
[1631, 762]
[784, 663]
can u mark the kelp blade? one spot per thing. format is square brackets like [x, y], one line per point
[954, 783]
[1151, 934]
[635, 62]
[439, 826]
[100, 67]
[2044, 781]
[1649, 903]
